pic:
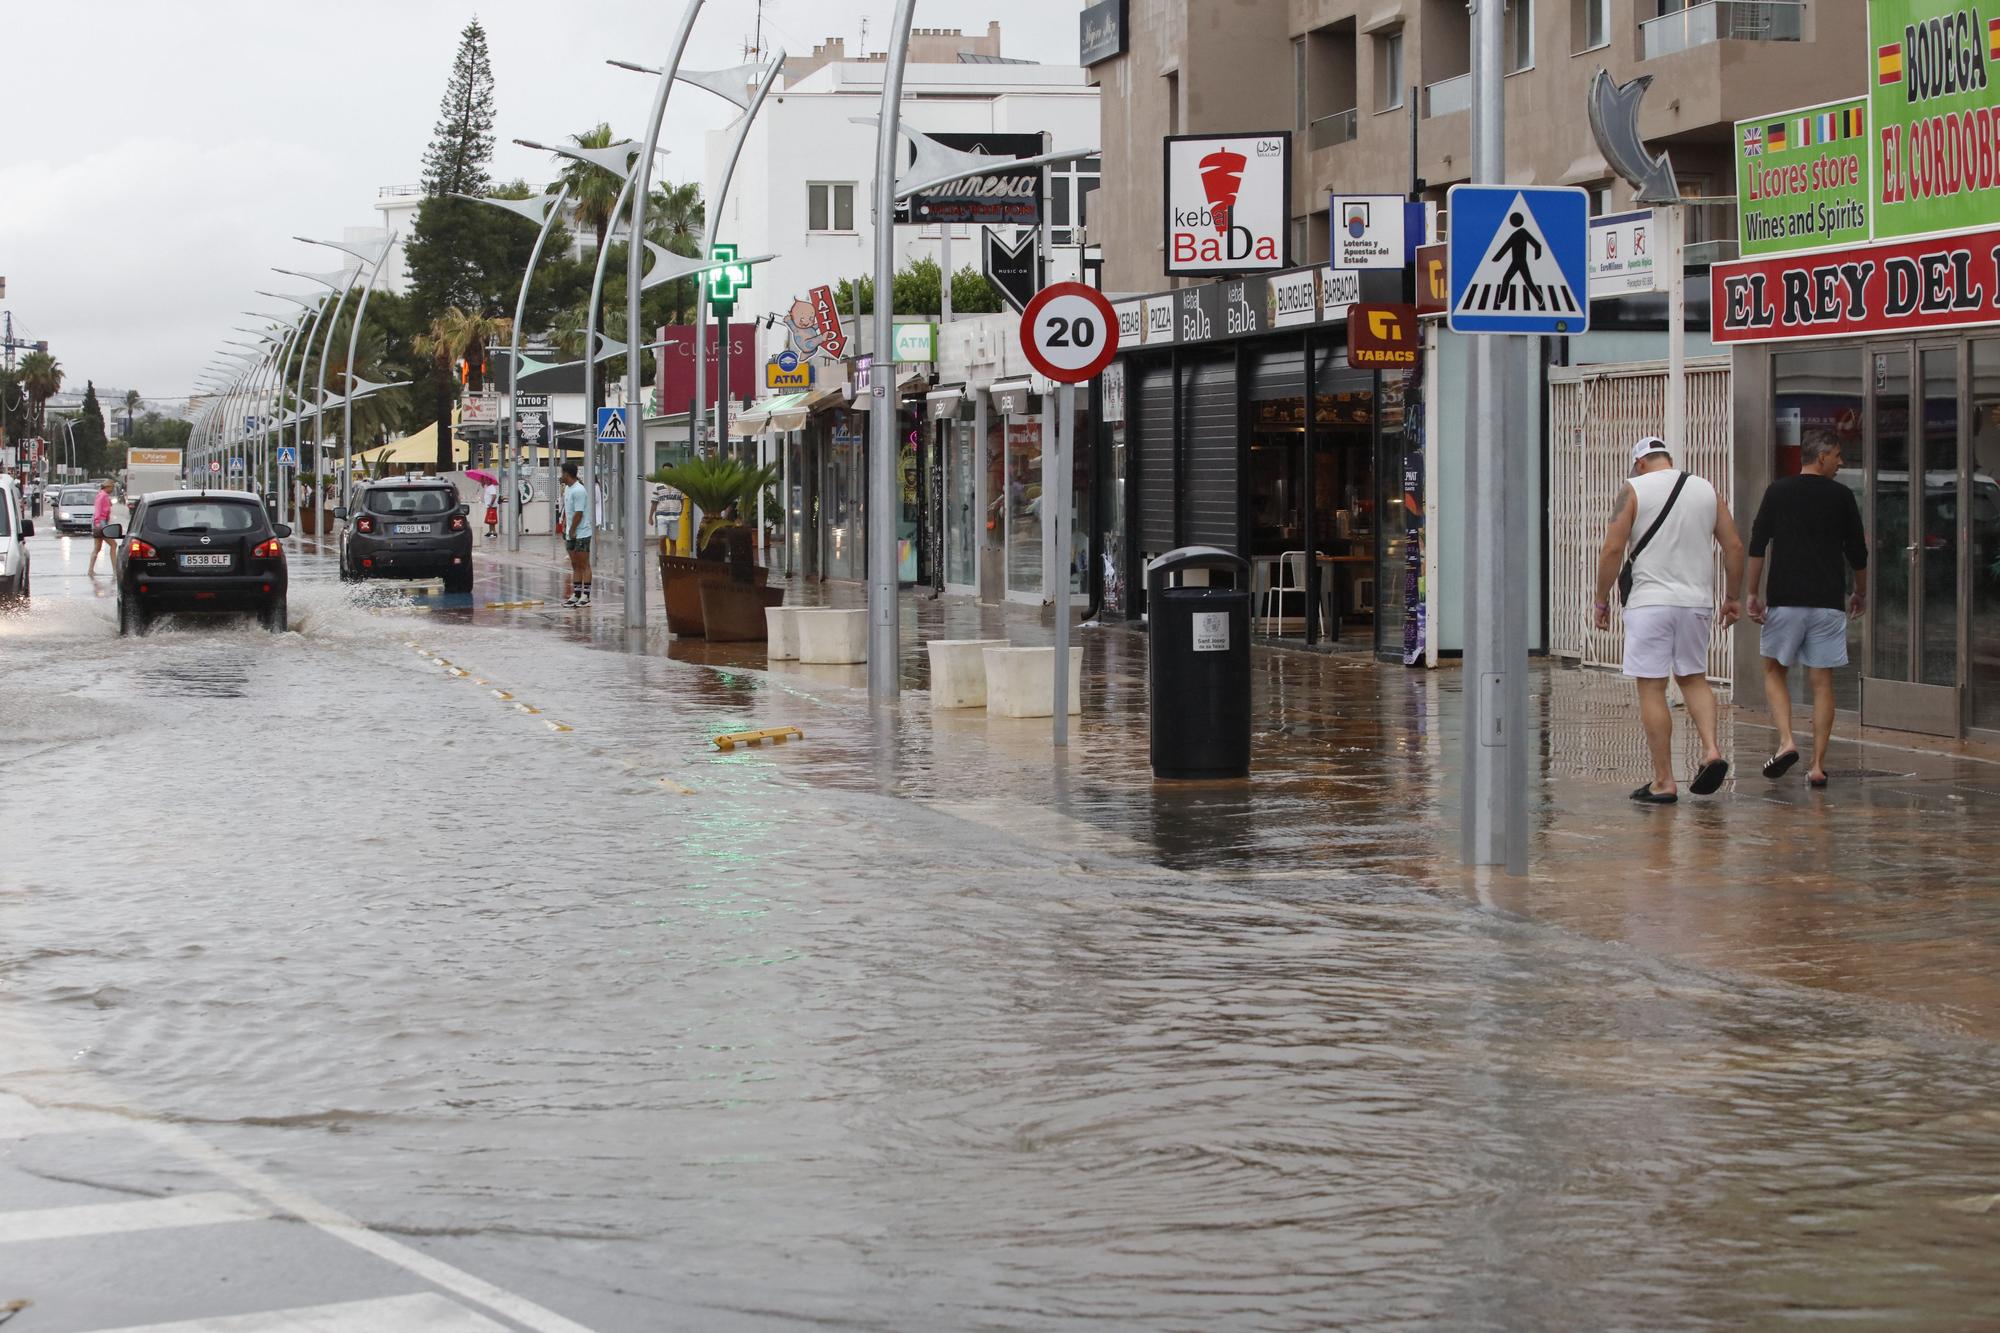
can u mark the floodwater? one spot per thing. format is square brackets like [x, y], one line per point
[452, 918]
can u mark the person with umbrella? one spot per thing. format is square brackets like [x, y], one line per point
[490, 493]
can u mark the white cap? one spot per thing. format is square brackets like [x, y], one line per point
[1650, 444]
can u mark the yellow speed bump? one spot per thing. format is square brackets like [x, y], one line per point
[514, 606]
[775, 735]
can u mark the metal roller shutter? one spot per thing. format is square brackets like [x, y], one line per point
[1154, 403]
[1211, 493]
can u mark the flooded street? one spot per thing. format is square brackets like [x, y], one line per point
[444, 913]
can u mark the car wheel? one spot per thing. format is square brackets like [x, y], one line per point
[274, 617]
[457, 583]
[131, 620]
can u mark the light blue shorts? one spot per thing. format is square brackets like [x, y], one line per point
[1813, 636]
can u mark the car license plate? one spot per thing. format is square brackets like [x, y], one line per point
[413, 527]
[205, 561]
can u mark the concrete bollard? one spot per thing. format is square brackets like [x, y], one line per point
[958, 671]
[781, 633]
[836, 638]
[1020, 682]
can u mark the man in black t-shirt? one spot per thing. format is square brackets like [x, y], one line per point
[1816, 525]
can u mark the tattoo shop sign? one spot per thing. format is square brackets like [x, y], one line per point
[1942, 283]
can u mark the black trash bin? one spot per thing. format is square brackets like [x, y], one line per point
[1198, 664]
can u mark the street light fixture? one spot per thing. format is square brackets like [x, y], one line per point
[372, 257]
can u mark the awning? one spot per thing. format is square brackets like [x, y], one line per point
[1011, 395]
[944, 400]
[786, 411]
[420, 447]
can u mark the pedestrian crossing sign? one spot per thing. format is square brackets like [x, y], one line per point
[288, 456]
[611, 425]
[1519, 259]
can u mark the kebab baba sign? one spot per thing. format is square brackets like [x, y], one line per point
[1228, 202]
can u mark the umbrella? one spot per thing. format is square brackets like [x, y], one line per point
[483, 478]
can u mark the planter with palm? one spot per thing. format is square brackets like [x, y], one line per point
[712, 485]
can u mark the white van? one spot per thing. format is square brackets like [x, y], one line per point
[15, 528]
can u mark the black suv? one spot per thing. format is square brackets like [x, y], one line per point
[205, 552]
[407, 529]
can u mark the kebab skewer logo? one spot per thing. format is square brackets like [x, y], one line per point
[1226, 202]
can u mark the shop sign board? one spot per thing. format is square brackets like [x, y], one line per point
[479, 409]
[1621, 255]
[1368, 231]
[1339, 288]
[1013, 268]
[1245, 308]
[1382, 337]
[1892, 287]
[1101, 33]
[1934, 117]
[1433, 288]
[1003, 196]
[531, 416]
[155, 457]
[1069, 332]
[1802, 179]
[1227, 202]
[826, 321]
[1159, 320]
[788, 371]
[1292, 299]
[915, 342]
[1131, 322]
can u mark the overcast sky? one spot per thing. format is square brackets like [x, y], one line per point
[159, 157]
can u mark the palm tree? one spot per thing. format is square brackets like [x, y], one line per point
[593, 191]
[42, 377]
[677, 219]
[132, 401]
[450, 337]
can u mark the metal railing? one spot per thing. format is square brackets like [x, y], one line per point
[398, 191]
[1448, 95]
[1722, 21]
[1338, 128]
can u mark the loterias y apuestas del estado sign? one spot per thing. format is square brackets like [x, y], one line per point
[1940, 283]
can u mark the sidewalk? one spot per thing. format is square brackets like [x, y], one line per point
[1882, 886]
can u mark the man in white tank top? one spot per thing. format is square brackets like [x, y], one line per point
[1672, 604]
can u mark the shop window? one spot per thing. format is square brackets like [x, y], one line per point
[1983, 437]
[1520, 36]
[1589, 25]
[1389, 69]
[829, 206]
[1070, 186]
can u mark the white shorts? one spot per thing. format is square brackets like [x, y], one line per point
[1812, 636]
[1663, 641]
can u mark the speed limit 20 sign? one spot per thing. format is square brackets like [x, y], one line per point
[1069, 332]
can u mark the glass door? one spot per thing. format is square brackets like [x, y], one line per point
[1912, 676]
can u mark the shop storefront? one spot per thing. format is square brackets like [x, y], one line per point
[1864, 314]
[1235, 420]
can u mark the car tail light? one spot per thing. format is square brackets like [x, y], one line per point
[269, 550]
[364, 524]
[458, 523]
[138, 550]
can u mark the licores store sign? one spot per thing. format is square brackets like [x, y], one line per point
[1228, 201]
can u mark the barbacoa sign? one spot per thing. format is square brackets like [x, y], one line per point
[1946, 282]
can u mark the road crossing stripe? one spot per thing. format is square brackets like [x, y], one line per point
[105, 1219]
[426, 1311]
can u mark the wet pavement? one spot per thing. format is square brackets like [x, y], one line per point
[431, 953]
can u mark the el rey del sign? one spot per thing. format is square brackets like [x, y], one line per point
[1228, 202]
[1941, 283]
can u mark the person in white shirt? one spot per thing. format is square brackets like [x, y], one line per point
[490, 493]
[1666, 530]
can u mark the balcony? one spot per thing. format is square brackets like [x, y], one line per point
[1722, 21]
[1448, 95]
[1338, 128]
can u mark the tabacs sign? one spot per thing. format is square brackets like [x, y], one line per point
[1228, 202]
[1802, 179]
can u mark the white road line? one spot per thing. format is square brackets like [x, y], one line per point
[425, 1312]
[105, 1219]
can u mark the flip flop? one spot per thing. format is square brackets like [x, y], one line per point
[1709, 777]
[1816, 782]
[1780, 764]
[1645, 795]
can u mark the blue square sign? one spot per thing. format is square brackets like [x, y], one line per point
[611, 425]
[1519, 259]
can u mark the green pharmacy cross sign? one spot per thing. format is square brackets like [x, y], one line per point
[728, 281]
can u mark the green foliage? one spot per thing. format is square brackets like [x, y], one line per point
[918, 292]
[461, 146]
[593, 191]
[153, 431]
[92, 449]
[714, 484]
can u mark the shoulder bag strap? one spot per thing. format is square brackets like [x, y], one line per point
[1665, 509]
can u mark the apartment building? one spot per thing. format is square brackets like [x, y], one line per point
[1374, 88]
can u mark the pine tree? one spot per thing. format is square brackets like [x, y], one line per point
[90, 444]
[462, 144]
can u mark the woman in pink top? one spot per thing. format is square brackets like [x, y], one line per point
[99, 516]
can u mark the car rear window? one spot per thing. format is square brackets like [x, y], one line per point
[204, 516]
[411, 500]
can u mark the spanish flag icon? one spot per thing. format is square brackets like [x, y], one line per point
[1993, 38]
[1889, 63]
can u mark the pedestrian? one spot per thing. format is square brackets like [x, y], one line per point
[490, 494]
[1805, 606]
[100, 514]
[1667, 584]
[576, 536]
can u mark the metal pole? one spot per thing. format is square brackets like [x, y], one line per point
[1494, 826]
[1672, 254]
[299, 399]
[354, 341]
[884, 666]
[513, 497]
[319, 412]
[1062, 491]
[635, 432]
[944, 278]
[590, 351]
